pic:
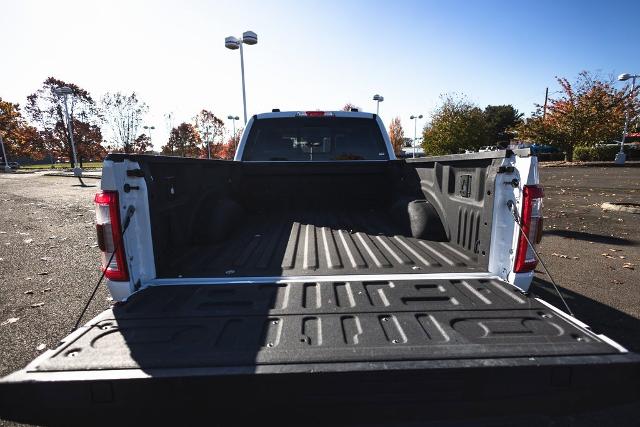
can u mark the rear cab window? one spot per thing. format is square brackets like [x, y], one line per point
[315, 139]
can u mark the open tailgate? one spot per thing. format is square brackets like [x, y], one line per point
[408, 350]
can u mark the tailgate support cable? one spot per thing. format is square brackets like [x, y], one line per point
[125, 225]
[512, 208]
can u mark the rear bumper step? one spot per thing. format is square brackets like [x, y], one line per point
[475, 345]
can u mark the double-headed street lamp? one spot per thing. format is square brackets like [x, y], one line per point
[415, 132]
[149, 128]
[233, 43]
[64, 92]
[378, 99]
[234, 118]
[621, 157]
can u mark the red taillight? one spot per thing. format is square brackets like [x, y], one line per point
[110, 236]
[531, 223]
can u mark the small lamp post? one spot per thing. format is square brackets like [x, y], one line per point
[620, 156]
[234, 118]
[415, 132]
[149, 128]
[7, 168]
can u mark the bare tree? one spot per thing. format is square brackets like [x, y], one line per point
[124, 115]
[349, 106]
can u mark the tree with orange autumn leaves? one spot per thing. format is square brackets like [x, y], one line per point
[20, 138]
[396, 135]
[588, 111]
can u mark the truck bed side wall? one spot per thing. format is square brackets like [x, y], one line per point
[462, 191]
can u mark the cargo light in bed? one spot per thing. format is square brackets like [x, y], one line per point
[109, 234]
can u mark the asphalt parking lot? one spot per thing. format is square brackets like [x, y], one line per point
[49, 258]
[593, 255]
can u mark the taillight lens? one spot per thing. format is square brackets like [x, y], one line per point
[531, 223]
[110, 235]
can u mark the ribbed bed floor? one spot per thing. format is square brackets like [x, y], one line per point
[326, 243]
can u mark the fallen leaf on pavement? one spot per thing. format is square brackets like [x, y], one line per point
[629, 266]
[29, 292]
[27, 241]
[36, 305]
[46, 290]
[9, 321]
[559, 255]
[41, 347]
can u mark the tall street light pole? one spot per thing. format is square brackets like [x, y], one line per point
[415, 132]
[621, 157]
[233, 43]
[378, 99]
[64, 92]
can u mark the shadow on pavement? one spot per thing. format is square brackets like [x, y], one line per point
[603, 319]
[590, 237]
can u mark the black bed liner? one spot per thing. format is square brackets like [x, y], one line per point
[291, 323]
[330, 353]
[320, 242]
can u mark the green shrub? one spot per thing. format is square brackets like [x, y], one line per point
[603, 153]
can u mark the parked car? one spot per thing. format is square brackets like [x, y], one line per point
[488, 148]
[314, 278]
[542, 148]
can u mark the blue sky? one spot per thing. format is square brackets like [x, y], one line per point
[313, 55]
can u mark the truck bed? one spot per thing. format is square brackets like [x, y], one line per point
[361, 352]
[321, 242]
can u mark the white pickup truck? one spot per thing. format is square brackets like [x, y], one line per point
[316, 279]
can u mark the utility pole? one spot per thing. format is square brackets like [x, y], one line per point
[544, 111]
